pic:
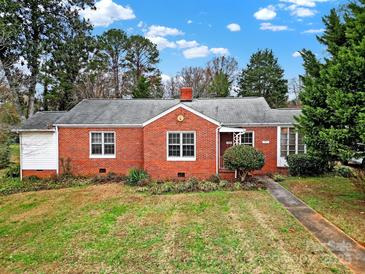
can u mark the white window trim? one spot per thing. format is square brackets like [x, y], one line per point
[181, 158]
[282, 162]
[102, 156]
[253, 137]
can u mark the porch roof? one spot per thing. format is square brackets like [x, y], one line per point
[231, 129]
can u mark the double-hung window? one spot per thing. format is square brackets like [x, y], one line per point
[181, 146]
[102, 144]
[247, 138]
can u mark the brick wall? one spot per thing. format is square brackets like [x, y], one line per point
[270, 150]
[155, 145]
[38, 173]
[74, 144]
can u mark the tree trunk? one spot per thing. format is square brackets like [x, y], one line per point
[243, 175]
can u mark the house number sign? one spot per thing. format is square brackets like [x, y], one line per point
[180, 118]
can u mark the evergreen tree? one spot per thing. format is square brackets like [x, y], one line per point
[114, 43]
[219, 86]
[334, 91]
[263, 76]
[142, 88]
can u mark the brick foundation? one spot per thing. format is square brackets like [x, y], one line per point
[39, 173]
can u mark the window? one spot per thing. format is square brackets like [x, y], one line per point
[247, 138]
[102, 144]
[291, 142]
[181, 146]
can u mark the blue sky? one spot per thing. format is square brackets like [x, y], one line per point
[190, 33]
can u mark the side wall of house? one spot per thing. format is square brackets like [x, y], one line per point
[38, 154]
[155, 146]
[74, 143]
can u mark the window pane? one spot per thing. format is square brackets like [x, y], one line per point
[188, 138]
[283, 153]
[96, 138]
[109, 138]
[96, 149]
[247, 138]
[174, 150]
[109, 149]
[174, 138]
[188, 151]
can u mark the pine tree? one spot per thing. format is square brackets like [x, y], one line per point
[263, 76]
[334, 91]
[219, 86]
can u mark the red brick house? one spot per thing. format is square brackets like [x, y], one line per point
[169, 138]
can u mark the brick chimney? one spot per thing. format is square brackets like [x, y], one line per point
[186, 94]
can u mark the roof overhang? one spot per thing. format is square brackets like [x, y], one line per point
[231, 129]
[99, 125]
[19, 130]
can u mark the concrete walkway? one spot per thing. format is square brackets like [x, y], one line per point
[345, 248]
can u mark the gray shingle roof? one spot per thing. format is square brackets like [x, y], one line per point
[42, 120]
[228, 111]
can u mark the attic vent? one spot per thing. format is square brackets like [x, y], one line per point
[102, 170]
[181, 174]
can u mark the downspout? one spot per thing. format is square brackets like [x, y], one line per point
[217, 150]
[20, 156]
[57, 152]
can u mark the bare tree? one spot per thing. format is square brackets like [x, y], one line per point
[295, 87]
[223, 64]
[196, 77]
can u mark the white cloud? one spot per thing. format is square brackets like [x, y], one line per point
[189, 22]
[140, 24]
[296, 54]
[265, 13]
[155, 30]
[234, 27]
[165, 78]
[313, 31]
[196, 52]
[161, 42]
[304, 3]
[106, 13]
[183, 44]
[303, 12]
[219, 51]
[269, 26]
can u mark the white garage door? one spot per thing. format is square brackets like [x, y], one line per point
[39, 150]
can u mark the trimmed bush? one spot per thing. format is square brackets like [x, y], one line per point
[136, 175]
[306, 165]
[344, 171]
[214, 179]
[244, 159]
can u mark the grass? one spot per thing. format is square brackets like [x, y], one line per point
[112, 229]
[336, 199]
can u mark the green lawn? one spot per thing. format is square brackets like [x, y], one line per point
[112, 229]
[336, 199]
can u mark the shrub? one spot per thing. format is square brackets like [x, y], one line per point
[306, 165]
[13, 171]
[214, 179]
[344, 171]
[207, 186]
[4, 155]
[244, 159]
[223, 183]
[136, 175]
[278, 178]
[358, 180]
